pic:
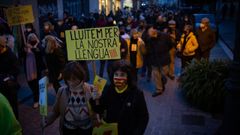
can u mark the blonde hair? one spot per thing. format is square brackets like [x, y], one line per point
[134, 31]
[51, 26]
[51, 44]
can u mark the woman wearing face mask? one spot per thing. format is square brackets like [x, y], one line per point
[33, 65]
[187, 45]
[123, 102]
[49, 29]
[9, 69]
[136, 51]
[29, 29]
[74, 103]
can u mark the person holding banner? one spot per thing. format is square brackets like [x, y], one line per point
[123, 102]
[55, 61]
[74, 103]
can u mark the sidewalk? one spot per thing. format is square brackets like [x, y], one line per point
[169, 113]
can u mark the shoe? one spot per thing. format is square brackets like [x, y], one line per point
[35, 105]
[156, 94]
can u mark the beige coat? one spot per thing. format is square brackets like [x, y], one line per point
[140, 52]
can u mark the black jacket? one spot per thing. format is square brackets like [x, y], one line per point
[128, 109]
[206, 39]
[55, 64]
[159, 50]
[9, 65]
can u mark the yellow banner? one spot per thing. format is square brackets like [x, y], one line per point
[99, 82]
[20, 15]
[93, 43]
[43, 96]
[106, 129]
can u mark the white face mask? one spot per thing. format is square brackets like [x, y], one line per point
[120, 79]
[29, 29]
[202, 25]
[74, 27]
[74, 85]
[46, 27]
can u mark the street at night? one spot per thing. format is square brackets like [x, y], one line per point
[119, 67]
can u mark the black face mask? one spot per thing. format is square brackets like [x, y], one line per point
[141, 27]
[121, 32]
[33, 42]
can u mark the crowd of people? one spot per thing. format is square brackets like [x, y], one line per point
[150, 38]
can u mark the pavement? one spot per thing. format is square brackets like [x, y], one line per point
[169, 113]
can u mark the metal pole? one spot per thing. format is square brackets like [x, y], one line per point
[94, 68]
[43, 121]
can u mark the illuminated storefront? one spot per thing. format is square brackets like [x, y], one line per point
[109, 5]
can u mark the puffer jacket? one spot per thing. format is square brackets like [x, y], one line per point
[191, 44]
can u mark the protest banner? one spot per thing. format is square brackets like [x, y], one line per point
[93, 43]
[43, 95]
[106, 129]
[20, 15]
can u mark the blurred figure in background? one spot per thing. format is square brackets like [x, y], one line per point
[136, 51]
[74, 103]
[55, 61]
[175, 37]
[160, 45]
[206, 38]
[9, 70]
[33, 65]
[187, 45]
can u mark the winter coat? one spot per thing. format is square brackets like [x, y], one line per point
[9, 67]
[9, 63]
[128, 109]
[206, 39]
[140, 52]
[191, 45]
[158, 49]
